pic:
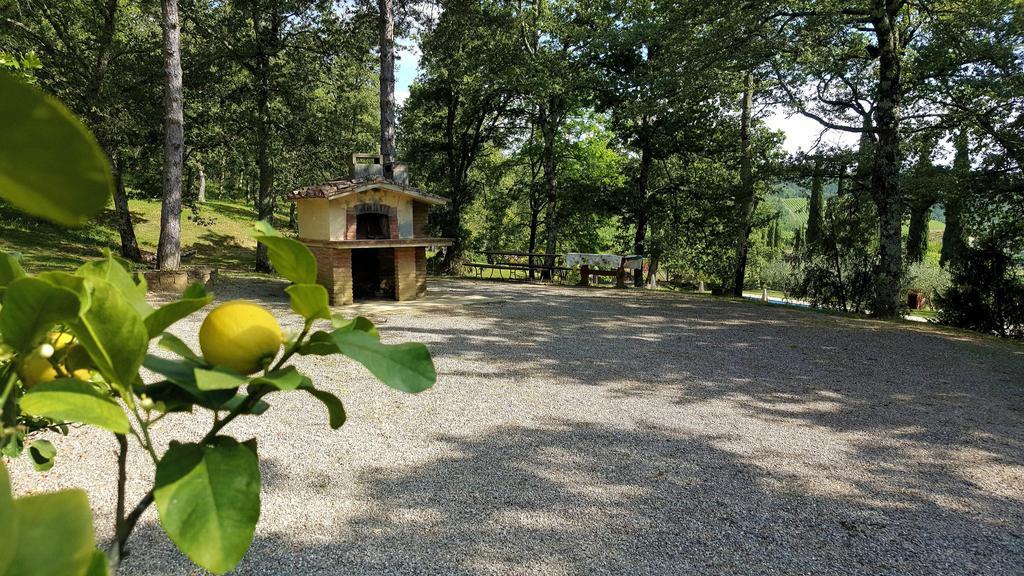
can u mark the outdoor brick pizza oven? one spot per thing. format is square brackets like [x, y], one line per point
[368, 233]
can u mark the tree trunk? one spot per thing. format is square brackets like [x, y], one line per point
[746, 202]
[169, 247]
[293, 222]
[548, 118]
[652, 271]
[264, 202]
[266, 36]
[387, 87]
[534, 221]
[885, 188]
[642, 185]
[125, 227]
[201, 195]
[129, 245]
[451, 225]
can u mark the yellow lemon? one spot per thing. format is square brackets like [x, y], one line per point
[37, 368]
[77, 362]
[240, 335]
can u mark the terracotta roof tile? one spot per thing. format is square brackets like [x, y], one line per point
[342, 187]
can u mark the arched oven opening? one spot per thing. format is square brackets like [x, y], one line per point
[373, 226]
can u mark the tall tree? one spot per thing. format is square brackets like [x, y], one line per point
[816, 207]
[458, 106]
[95, 59]
[921, 191]
[860, 51]
[387, 86]
[746, 202]
[954, 244]
[169, 247]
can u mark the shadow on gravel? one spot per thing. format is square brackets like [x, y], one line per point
[913, 397]
[914, 415]
[581, 499]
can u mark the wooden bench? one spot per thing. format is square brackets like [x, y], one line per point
[518, 261]
[586, 273]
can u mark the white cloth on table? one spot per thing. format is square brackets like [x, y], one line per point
[607, 261]
[633, 262]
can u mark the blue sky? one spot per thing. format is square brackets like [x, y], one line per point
[406, 67]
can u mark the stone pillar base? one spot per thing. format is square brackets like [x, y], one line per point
[176, 281]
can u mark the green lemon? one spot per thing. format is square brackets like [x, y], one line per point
[240, 335]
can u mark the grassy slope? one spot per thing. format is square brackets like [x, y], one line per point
[220, 237]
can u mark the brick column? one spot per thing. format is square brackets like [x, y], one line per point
[405, 274]
[334, 272]
[421, 271]
[350, 224]
[392, 223]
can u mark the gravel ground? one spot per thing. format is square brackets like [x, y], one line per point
[616, 432]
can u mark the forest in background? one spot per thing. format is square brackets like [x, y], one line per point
[606, 126]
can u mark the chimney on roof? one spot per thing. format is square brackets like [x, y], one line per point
[369, 166]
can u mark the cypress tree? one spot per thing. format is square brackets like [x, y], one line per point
[953, 243]
[921, 201]
[816, 209]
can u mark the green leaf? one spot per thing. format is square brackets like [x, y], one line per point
[66, 399]
[179, 395]
[31, 307]
[208, 498]
[13, 443]
[287, 378]
[8, 525]
[258, 408]
[319, 343]
[181, 374]
[113, 333]
[360, 323]
[81, 287]
[55, 535]
[309, 301]
[290, 258]
[50, 165]
[131, 287]
[10, 269]
[406, 367]
[99, 566]
[42, 453]
[335, 409]
[174, 344]
[264, 228]
[322, 343]
[167, 396]
[219, 378]
[174, 370]
[194, 298]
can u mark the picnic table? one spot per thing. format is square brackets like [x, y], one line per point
[526, 262]
[594, 265]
